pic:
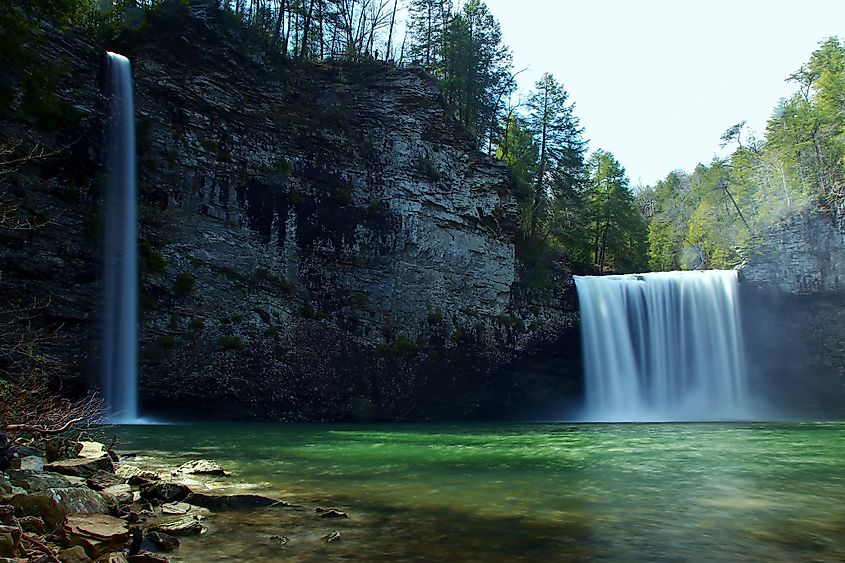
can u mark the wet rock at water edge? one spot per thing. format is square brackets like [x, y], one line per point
[162, 541]
[97, 533]
[332, 537]
[201, 467]
[81, 467]
[330, 513]
[135, 475]
[183, 526]
[166, 491]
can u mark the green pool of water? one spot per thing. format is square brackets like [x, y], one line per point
[533, 492]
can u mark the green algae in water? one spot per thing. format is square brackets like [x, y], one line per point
[720, 492]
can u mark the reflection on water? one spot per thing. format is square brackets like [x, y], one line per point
[521, 492]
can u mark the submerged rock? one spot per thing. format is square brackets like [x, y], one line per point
[81, 467]
[148, 557]
[232, 502]
[332, 537]
[330, 513]
[201, 467]
[96, 533]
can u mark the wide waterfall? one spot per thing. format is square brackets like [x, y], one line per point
[120, 285]
[662, 346]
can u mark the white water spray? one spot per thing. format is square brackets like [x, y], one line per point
[120, 286]
[663, 346]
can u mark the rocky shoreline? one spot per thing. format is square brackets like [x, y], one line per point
[77, 502]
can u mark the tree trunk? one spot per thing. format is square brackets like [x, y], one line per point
[390, 33]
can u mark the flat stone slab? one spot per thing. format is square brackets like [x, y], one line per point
[81, 467]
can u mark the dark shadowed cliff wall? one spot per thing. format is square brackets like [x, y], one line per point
[318, 242]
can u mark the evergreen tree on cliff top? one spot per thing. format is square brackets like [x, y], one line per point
[561, 148]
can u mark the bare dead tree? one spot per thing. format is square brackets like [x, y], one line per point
[27, 404]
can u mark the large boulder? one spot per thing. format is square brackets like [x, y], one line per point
[30, 462]
[53, 505]
[81, 467]
[162, 541]
[34, 481]
[166, 491]
[96, 533]
[121, 493]
[201, 467]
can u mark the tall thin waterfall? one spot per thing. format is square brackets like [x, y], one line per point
[662, 346]
[120, 288]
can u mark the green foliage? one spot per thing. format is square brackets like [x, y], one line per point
[512, 321]
[143, 135]
[167, 341]
[343, 195]
[374, 208]
[230, 343]
[282, 166]
[283, 285]
[435, 317]
[151, 261]
[307, 311]
[360, 298]
[185, 283]
[709, 218]
[427, 169]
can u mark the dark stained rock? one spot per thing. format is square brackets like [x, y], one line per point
[10, 537]
[96, 533]
[59, 448]
[201, 467]
[30, 463]
[32, 525]
[163, 541]
[75, 554]
[81, 467]
[232, 502]
[166, 491]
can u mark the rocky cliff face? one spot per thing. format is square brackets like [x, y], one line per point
[317, 242]
[794, 309]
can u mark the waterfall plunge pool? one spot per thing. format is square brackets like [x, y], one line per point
[531, 492]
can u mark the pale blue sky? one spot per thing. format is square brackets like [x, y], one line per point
[657, 82]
